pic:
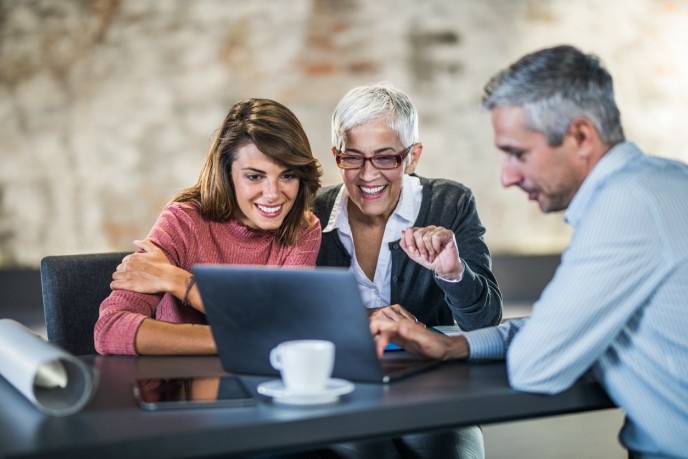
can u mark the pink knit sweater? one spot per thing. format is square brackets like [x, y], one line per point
[187, 239]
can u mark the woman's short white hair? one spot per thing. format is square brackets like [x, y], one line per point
[372, 102]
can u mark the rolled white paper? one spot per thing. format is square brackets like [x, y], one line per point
[55, 381]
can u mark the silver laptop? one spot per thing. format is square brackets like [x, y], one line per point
[252, 309]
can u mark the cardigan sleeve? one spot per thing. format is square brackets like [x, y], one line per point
[475, 301]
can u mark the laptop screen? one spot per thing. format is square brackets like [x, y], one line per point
[253, 309]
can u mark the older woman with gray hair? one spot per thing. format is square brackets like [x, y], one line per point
[415, 245]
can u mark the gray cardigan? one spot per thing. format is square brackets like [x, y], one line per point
[475, 302]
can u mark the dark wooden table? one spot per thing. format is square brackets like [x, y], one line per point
[451, 395]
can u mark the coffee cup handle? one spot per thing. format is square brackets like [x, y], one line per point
[275, 359]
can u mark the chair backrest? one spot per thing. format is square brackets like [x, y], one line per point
[73, 288]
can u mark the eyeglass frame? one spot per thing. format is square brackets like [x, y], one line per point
[400, 157]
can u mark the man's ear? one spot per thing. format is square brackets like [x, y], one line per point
[414, 155]
[334, 150]
[583, 132]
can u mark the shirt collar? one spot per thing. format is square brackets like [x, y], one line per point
[406, 210]
[615, 159]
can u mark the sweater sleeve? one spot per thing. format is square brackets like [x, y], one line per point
[305, 251]
[122, 312]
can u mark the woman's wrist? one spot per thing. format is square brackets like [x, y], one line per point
[455, 275]
[176, 284]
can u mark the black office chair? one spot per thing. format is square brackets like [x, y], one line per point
[73, 288]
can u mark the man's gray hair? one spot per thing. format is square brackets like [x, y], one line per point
[373, 102]
[554, 86]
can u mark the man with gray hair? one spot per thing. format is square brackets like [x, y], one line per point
[617, 303]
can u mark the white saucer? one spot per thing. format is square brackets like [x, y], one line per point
[331, 392]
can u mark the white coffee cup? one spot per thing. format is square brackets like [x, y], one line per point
[305, 365]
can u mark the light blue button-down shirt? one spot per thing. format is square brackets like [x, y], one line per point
[618, 303]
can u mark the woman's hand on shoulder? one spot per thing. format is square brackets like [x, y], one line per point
[148, 272]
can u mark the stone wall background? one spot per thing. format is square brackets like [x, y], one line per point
[107, 107]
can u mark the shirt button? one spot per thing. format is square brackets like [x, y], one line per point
[395, 246]
[395, 278]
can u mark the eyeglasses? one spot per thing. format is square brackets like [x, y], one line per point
[356, 161]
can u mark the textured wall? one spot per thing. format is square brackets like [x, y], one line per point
[107, 106]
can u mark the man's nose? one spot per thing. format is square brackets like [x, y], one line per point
[510, 175]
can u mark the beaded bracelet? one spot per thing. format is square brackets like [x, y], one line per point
[189, 283]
